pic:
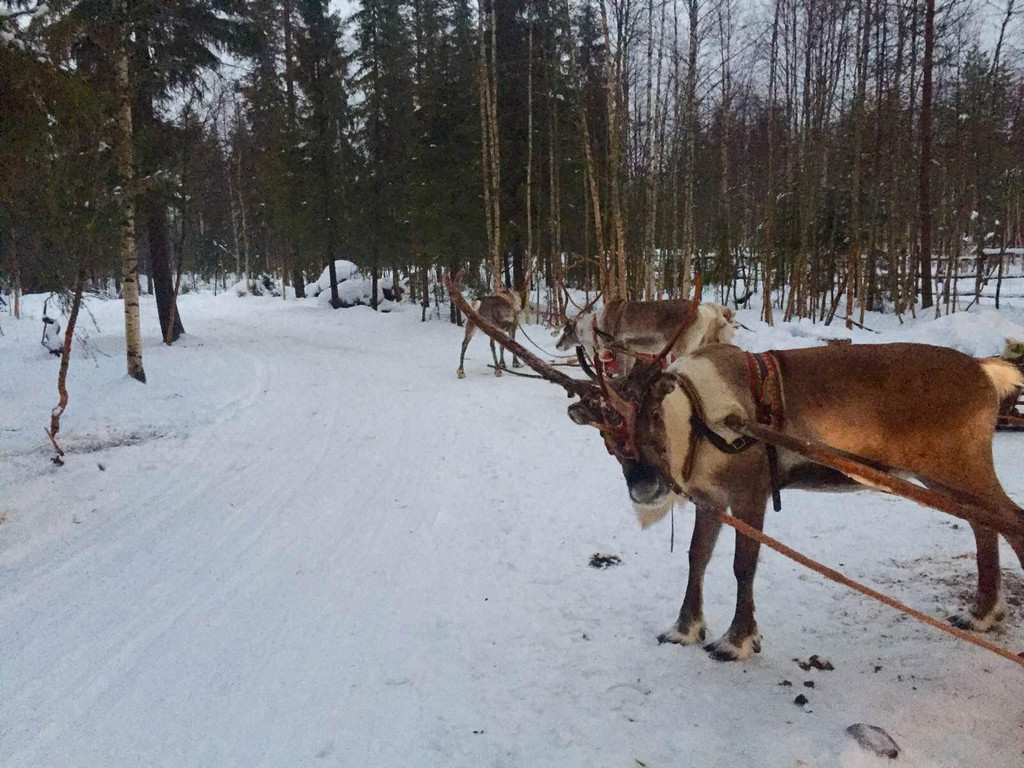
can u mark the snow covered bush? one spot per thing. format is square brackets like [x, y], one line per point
[354, 289]
[344, 270]
[263, 285]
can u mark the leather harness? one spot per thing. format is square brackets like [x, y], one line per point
[766, 389]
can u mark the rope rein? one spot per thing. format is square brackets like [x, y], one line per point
[540, 348]
[833, 575]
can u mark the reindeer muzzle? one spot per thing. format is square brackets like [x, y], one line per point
[645, 483]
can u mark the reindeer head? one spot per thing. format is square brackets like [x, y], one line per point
[627, 412]
[571, 337]
[568, 338]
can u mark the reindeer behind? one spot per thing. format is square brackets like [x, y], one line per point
[644, 327]
[501, 310]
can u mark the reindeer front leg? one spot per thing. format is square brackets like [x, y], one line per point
[515, 360]
[690, 627]
[742, 639]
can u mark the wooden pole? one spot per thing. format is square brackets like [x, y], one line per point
[877, 475]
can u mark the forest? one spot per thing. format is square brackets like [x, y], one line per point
[830, 156]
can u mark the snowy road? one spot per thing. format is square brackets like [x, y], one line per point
[305, 542]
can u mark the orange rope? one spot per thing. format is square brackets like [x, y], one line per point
[834, 575]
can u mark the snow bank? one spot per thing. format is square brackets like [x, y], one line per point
[980, 332]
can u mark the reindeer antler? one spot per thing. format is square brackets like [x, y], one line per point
[586, 307]
[568, 296]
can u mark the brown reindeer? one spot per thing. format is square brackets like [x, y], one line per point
[502, 311]
[643, 328]
[929, 411]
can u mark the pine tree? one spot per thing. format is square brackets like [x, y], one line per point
[321, 72]
[445, 219]
[385, 78]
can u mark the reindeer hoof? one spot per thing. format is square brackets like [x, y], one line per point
[497, 371]
[694, 635]
[725, 649]
[461, 373]
[972, 623]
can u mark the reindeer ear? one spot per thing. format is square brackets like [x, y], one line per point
[665, 385]
[582, 415]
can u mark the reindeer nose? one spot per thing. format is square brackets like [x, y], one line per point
[644, 483]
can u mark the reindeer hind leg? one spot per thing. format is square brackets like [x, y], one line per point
[1017, 545]
[988, 607]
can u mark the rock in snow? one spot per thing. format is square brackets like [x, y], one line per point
[874, 739]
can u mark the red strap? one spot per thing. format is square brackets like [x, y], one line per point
[763, 372]
[752, 374]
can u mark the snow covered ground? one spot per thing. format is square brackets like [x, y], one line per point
[306, 543]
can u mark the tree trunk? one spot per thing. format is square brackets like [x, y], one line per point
[154, 212]
[690, 111]
[297, 278]
[123, 151]
[160, 261]
[768, 256]
[854, 254]
[591, 182]
[65, 356]
[529, 165]
[289, 78]
[16, 288]
[615, 116]
[425, 300]
[488, 87]
[924, 177]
